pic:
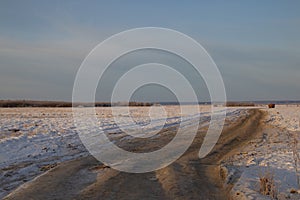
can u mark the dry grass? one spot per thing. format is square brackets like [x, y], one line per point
[47, 167]
[267, 184]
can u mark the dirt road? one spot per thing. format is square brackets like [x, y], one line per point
[187, 178]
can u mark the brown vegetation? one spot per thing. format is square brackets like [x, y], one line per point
[25, 103]
[271, 105]
[28, 103]
[267, 184]
[238, 104]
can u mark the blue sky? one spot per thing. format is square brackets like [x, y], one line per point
[255, 44]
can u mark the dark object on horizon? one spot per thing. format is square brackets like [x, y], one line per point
[31, 103]
[271, 105]
[240, 104]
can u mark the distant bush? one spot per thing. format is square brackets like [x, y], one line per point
[239, 104]
[271, 105]
[28, 103]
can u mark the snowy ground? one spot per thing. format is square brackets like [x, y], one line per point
[33, 140]
[272, 155]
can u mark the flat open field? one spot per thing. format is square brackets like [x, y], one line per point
[42, 156]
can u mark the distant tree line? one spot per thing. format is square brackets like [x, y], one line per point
[29, 103]
[237, 104]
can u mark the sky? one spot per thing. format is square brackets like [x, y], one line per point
[255, 45]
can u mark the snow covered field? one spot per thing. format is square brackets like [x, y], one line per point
[272, 154]
[33, 140]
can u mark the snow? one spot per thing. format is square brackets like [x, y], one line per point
[272, 154]
[35, 139]
[285, 116]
